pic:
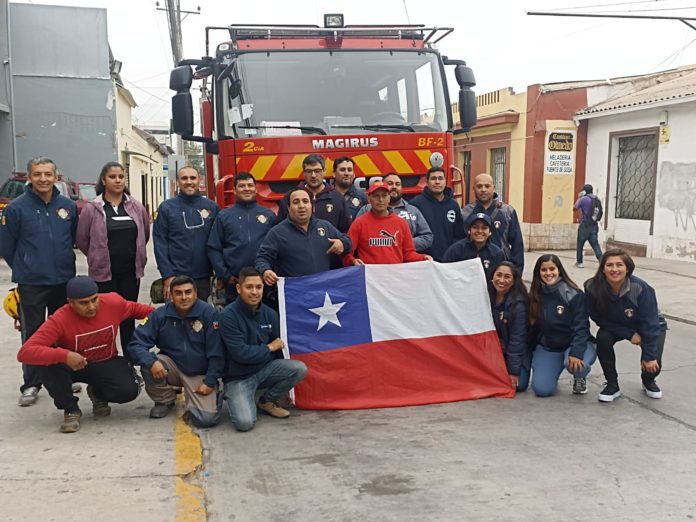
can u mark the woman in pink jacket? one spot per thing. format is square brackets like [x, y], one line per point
[112, 232]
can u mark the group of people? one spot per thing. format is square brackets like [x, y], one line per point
[319, 227]
[546, 329]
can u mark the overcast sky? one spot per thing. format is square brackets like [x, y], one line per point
[504, 46]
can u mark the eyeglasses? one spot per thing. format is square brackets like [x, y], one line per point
[313, 171]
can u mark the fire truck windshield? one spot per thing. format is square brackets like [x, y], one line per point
[334, 92]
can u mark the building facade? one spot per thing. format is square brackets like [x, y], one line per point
[641, 160]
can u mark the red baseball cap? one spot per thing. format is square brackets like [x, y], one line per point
[377, 185]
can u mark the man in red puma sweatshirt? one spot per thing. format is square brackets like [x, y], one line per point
[78, 344]
[379, 236]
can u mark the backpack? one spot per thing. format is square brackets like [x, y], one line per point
[596, 211]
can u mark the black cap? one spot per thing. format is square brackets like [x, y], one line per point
[80, 287]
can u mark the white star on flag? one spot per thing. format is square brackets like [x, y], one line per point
[328, 313]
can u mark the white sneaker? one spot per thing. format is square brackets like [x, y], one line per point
[29, 396]
[579, 265]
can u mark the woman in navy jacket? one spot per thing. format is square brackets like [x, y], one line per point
[557, 309]
[625, 307]
[478, 244]
[509, 306]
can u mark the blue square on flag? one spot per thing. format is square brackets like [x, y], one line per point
[327, 310]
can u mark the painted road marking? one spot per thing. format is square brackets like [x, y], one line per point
[190, 505]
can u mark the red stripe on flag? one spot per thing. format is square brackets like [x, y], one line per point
[404, 372]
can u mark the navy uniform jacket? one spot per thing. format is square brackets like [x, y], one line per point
[356, 199]
[329, 205]
[236, 237]
[510, 319]
[290, 251]
[245, 336]
[563, 320]
[444, 218]
[506, 231]
[180, 233]
[192, 342]
[464, 249]
[633, 310]
[37, 238]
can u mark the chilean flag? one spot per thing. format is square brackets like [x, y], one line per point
[378, 336]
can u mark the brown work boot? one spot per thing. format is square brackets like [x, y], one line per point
[272, 409]
[100, 408]
[71, 422]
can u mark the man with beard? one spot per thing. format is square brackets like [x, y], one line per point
[344, 182]
[180, 234]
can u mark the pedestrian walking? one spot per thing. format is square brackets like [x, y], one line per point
[588, 228]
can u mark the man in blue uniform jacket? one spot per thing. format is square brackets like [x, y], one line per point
[505, 228]
[37, 237]
[441, 211]
[180, 234]
[250, 333]
[190, 355]
[237, 234]
[301, 244]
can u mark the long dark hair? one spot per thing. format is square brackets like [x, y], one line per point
[99, 188]
[599, 290]
[535, 288]
[518, 292]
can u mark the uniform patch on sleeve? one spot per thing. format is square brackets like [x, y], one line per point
[144, 321]
[216, 325]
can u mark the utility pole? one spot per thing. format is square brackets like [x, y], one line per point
[173, 11]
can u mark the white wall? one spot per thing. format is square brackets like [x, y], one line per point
[674, 226]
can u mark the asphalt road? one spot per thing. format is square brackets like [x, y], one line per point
[562, 458]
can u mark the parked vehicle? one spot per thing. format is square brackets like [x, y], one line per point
[14, 187]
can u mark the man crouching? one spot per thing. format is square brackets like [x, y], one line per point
[190, 355]
[250, 333]
[78, 344]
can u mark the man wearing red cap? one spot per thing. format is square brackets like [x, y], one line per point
[380, 236]
[78, 344]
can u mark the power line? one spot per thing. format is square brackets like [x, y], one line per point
[604, 5]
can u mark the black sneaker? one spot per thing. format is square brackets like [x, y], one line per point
[652, 390]
[161, 410]
[610, 392]
[580, 386]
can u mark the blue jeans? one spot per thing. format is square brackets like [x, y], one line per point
[547, 367]
[587, 231]
[278, 377]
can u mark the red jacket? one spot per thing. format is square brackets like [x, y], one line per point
[92, 337]
[383, 240]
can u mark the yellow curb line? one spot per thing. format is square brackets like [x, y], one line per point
[190, 504]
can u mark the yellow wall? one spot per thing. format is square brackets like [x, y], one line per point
[497, 102]
[558, 191]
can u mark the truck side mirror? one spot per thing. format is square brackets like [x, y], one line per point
[180, 81]
[467, 97]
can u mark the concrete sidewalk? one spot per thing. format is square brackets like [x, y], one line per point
[674, 281]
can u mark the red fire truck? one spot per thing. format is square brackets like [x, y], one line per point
[273, 94]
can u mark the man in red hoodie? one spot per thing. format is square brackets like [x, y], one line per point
[78, 344]
[380, 236]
